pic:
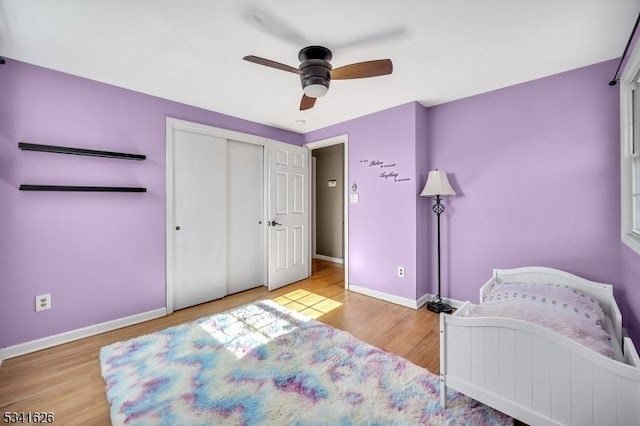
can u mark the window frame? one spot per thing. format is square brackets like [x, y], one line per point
[628, 84]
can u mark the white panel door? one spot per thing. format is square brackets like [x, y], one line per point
[245, 215]
[289, 214]
[200, 248]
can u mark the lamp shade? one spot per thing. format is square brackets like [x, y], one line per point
[437, 184]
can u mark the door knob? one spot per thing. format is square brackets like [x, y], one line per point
[274, 223]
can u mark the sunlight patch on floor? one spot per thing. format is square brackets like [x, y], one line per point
[244, 329]
[307, 303]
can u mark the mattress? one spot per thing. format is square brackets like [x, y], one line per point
[563, 309]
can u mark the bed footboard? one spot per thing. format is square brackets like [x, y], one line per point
[535, 374]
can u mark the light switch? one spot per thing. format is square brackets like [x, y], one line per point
[354, 198]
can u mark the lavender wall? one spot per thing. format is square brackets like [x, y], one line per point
[536, 167]
[101, 256]
[629, 292]
[382, 226]
[537, 170]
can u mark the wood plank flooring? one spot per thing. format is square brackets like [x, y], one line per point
[66, 379]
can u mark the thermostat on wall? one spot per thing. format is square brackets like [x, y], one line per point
[332, 183]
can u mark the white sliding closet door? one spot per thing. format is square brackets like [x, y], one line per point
[245, 215]
[200, 235]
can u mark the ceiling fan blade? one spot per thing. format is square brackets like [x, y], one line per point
[307, 102]
[265, 21]
[377, 37]
[363, 69]
[272, 64]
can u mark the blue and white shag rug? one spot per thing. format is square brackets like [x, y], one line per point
[263, 364]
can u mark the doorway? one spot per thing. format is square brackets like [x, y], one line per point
[329, 201]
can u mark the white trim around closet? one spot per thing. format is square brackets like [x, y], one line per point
[176, 124]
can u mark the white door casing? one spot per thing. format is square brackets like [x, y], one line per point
[314, 212]
[172, 126]
[288, 214]
[341, 139]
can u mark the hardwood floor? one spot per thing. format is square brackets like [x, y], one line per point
[66, 379]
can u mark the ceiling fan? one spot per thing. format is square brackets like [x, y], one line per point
[316, 72]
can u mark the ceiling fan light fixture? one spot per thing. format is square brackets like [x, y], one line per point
[315, 90]
[316, 72]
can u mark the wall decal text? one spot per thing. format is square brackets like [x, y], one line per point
[390, 175]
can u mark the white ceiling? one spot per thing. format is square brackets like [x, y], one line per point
[191, 51]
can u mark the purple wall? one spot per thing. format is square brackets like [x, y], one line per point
[536, 167]
[101, 256]
[628, 292]
[382, 226]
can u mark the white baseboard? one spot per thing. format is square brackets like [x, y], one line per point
[453, 302]
[328, 258]
[69, 336]
[402, 301]
[422, 300]
[398, 300]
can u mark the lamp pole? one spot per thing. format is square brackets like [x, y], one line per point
[438, 185]
[437, 305]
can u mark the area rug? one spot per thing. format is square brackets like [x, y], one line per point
[263, 364]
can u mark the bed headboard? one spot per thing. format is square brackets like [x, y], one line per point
[540, 274]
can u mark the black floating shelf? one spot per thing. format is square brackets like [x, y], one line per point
[79, 151]
[82, 188]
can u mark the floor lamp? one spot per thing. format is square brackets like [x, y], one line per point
[438, 185]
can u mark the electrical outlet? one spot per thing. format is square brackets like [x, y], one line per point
[401, 271]
[43, 302]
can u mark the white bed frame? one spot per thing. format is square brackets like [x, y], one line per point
[535, 374]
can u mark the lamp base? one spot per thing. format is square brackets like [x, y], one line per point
[438, 306]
